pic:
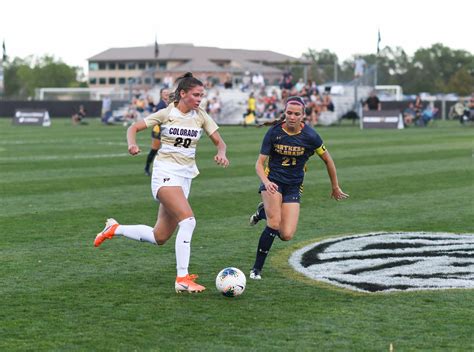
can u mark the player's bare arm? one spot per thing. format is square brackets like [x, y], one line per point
[138, 126]
[220, 158]
[260, 169]
[336, 192]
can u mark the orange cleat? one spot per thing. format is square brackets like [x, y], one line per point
[186, 283]
[107, 233]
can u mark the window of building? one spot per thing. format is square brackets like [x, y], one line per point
[102, 65]
[131, 66]
[112, 80]
[92, 80]
[121, 66]
[122, 80]
[102, 81]
[162, 65]
[93, 66]
[151, 65]
[157, 80]
[147, 80]
[141, 65]
[112, 65]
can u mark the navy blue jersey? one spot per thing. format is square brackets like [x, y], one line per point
[161, 105]
[288, 153]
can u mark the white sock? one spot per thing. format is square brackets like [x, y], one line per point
[142, 233]
[183, 245]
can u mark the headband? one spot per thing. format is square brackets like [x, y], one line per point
[295, 101]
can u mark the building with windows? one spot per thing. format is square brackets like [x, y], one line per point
[120, 67]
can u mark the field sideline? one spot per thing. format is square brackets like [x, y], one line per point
[58, 292]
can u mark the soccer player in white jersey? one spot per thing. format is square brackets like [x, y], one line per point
[182, 124]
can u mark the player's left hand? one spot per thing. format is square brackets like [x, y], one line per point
[221, 160]
[338, 194]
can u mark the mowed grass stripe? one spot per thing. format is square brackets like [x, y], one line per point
[416, 199]
[240, 165]
[221, 181]
[55, 165]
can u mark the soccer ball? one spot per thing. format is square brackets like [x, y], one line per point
[231, 282]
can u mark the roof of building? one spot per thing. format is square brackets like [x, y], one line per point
[190, 52]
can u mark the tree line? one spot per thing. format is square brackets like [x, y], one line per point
[437, 69]
[23, 76]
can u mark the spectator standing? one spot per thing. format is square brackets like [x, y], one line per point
[409, 114]
[228, 81]
[168, 81]
[215, 108]
[246, 81]
[470, 108]
[359, 67]
[106, 109]
[249, 117]
[286, 81]
[418, 106]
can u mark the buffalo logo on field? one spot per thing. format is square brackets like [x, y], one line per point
[390, 261]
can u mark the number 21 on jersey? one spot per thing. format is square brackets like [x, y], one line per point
[288, 161]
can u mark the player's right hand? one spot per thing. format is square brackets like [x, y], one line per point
[271, 187]
[133, 149]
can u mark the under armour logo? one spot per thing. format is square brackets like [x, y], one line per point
[166, 179]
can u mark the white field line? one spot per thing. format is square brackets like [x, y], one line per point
[62, 157]
[61, 141]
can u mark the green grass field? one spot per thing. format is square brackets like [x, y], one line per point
[58, 292]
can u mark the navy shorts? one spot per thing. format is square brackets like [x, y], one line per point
[291, 193]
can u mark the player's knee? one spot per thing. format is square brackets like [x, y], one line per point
[159, 238]
[160, 241]
[286, 235]
[273, 222]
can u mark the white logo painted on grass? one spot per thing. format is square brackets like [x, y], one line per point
[390, 261]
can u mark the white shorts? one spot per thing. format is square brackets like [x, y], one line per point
[160, 178]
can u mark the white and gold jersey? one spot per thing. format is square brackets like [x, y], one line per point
[179, 136]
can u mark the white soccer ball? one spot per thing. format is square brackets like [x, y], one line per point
[231, 282]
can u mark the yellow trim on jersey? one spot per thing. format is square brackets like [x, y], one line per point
[321, 150]
[291, 133]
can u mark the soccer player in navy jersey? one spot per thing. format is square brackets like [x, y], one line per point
[156, 132]
[287, 147]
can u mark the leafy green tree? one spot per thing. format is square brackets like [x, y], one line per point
[23, 76]
[462, 82]
[431, 69]
[437, 69]
[322, 65]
